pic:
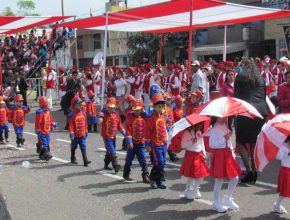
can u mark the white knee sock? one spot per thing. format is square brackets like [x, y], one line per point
[217, 190]
[197, 182]
[189, 184]
[279, 200]
[232, 186]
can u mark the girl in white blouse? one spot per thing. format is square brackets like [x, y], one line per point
[194, 167]
[223, 165]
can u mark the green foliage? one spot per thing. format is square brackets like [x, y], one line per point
[144, 46]
[27, 7]
[7, 11]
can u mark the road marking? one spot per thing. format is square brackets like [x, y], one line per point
[62, 140]
[25, 132]
[266, 184]
[14, 147]
[60, 160]
[117, 152]
[110, 175]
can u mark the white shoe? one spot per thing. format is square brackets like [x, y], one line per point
[219, 208]
[197, 194]
[279, 209]
[229, 202]
[188, 194]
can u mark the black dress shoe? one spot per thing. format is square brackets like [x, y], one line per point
[248, 178]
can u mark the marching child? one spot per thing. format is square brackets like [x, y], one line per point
[4, 125]
[111, 122]
[193, 167]
[223, 165]
[135, 136]
[283, 187]
[43, 126]
[178, 108]
[170, 120]
[17, 117]
[91, 112]
[156, 137]
[78, 130]
[130, 101]
[193, 102]
[83, 98]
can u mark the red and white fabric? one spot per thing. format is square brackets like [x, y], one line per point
[15, 24]
[174, 16]
[228, 106]
[271, 140]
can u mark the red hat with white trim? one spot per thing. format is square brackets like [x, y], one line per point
[198, 94]
[111, 103]
[130, 98]
[178, 99]
[18, 97]
[43, 102]
[76, 100]
[137, 106]
[158, 98]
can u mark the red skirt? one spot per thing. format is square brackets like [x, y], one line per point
[284, 182]
[194, 165]
[223, 164]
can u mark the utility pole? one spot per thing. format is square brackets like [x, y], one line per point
[62, 8]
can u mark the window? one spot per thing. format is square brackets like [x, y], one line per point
[80, 42]
[125, 61]
[97, 41]
[116, 61]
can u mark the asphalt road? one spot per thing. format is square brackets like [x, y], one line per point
[59, 190]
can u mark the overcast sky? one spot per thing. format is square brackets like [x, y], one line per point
[80, 8]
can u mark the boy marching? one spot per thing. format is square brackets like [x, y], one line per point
[4, 126]
[135, 136]
[17, 117]
[78, 130]
[91, 112]
[111, 122]
[156, 137]
[43, 126]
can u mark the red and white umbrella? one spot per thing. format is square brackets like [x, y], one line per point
[272, 136]
[176, 132]
[228, 106]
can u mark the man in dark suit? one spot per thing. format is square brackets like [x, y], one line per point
[72, 82]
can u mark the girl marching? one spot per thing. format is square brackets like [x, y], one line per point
[193, 167]
[223, 165]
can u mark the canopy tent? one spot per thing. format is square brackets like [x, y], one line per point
[16, 24]
[174, 16]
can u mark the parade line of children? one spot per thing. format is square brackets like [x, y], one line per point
[148, 131]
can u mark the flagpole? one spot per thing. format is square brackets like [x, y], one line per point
[190, 44]
[225, 43]
[104, 60]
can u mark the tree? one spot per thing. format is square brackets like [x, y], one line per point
[144, 47]
[26, 7]
[7, 12]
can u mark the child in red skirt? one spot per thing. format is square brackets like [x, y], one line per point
[223, 165]
[283, 188]
[193, 167]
